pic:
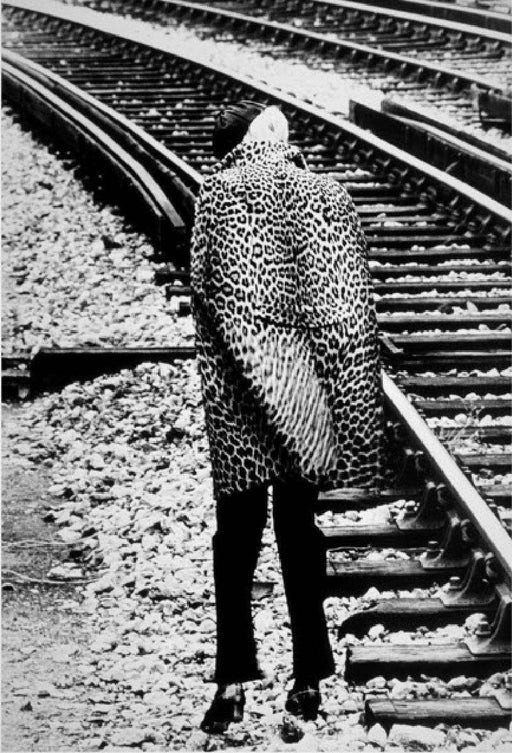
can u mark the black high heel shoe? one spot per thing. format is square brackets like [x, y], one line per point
[227, 707]
[304, 701]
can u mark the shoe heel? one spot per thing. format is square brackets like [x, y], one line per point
[223, 712]
[238, 711]
[303, 704]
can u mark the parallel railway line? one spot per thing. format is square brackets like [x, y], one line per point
[487, 14]
[437, 249]
[387, 28]
[462, 73]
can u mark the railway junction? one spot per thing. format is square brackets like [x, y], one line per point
[107, 582]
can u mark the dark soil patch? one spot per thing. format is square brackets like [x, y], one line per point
[44, 635]
[30, 546]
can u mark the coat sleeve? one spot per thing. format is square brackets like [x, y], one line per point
[275, 362]
[350, 247]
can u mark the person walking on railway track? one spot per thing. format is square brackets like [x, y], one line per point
[287, 348]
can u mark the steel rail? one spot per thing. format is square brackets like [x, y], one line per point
[165, 222]
[326, 43]
[183, 179]
[448, 149]
[493, 155]
[401, 15]
[473, 16]
[465, 495]
[121, 126]
[444, 182]
[391, 12]
[490, 98]
[463, 491]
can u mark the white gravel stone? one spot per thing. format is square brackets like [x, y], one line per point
[376, 631]
[401, 689]
[377, 735]
[308, 744]
[61, 286]
[372, 593]
[461, 683]
[377, 683]
[416, 735]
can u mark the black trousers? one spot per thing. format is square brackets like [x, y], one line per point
[241, 519]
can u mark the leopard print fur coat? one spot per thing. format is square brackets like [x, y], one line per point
[286, 331]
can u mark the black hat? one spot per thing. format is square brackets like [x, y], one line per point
[231, 125]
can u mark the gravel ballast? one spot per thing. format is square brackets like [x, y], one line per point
[131, 480]
[74, 272]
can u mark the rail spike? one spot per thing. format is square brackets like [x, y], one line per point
[493, 569]
[452, 550]
[428, 514]
[494, 638]
[473, 588]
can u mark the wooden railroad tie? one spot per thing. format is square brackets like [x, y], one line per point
[486, 713]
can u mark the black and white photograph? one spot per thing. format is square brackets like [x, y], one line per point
[256, 376]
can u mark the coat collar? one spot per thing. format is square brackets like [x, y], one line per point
[249, 152]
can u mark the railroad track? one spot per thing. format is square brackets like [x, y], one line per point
[459, 46]
[459, 72]
[436, 248]
[486, 14]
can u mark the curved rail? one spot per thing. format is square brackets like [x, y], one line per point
[482, 18]
[178, 178]
[475, 97]
[374, 149]
[161, 219]
[421, 15]
[436, 72]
